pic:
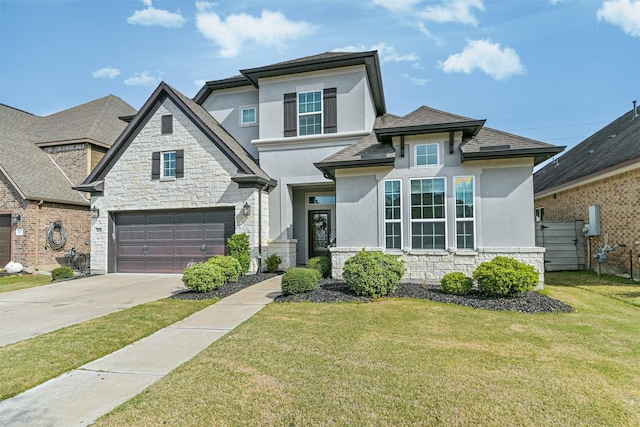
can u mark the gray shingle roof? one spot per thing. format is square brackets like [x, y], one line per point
[615, 144]
[32, 172]
[248, 169]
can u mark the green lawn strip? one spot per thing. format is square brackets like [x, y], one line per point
[612, 286]
[25, 364]
[408, 362]
[14, 283]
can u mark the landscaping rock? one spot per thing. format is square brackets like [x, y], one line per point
[13, 267]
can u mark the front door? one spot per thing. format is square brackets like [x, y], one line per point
[5, 240]
[319, 232]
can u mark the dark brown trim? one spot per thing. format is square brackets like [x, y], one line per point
[211, 86]
[330, 107]
[539, 154]
[290, 105]
[469, 128]
[254, 181]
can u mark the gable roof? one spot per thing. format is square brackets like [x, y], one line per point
[323, 61]
[249, 173]
[614, 146]
[97, 121]
[478, 142]
[33, 174]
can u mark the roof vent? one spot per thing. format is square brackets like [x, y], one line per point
[591, 151]
[635, 110]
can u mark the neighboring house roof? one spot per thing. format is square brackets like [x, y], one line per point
[33, 174]
[249, 173]
[613, 147]
[478, 142]
[323, 61]
[96, 121]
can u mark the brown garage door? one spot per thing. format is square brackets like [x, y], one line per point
[166, 241]
[5, 240]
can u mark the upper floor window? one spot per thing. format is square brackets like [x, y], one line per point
[310, 113]
[427, 155]
[248, 116]
[168, 164]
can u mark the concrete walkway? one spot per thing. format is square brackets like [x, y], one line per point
[31, 312]
[81, 396]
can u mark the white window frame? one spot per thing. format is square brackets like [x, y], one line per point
[244, 108]
[162, 165]
[321, 112]
[415, 155]
[539, 214]
[395, 220]
[432, 220]
[473, 218]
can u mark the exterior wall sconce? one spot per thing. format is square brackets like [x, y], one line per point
[246, 209]
[16, 218]
[95, 212]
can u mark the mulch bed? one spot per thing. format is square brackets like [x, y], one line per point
[332, 290]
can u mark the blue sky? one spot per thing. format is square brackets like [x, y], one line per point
[551, 70]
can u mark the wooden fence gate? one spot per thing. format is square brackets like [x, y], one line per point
[564, 244]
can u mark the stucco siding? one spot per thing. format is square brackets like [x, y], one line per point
[357, 211]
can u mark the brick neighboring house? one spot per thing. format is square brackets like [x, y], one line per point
[41, 158]
[603, 170]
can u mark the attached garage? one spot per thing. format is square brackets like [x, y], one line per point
[166, 241]
[5, 240]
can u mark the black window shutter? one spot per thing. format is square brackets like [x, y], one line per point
[167, 123]
[155, 165]
[330, 110]
[290, 114]
[179, 163]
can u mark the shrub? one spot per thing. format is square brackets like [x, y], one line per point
[61, 273]
[373, 274]
[299, 280]
[456, 283]
[229, 266]
[238, 247]
[322, 264]
[203, 277]
[273, 262]
[504, 276]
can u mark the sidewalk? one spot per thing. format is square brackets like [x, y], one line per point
[81, 396]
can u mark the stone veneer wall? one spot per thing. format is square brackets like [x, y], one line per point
[619, 200]
[286, 249]
[206, 183]
[430, 267]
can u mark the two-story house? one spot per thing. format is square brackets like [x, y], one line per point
[302, 155]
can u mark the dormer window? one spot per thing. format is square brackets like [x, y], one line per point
[427, 155]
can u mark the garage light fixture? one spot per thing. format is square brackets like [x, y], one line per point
[16, 218]
[95, 212]
[246, 209]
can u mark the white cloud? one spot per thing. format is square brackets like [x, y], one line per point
[152, 16]
[142, 79]
[416, 80]
[387, 53]
[498, 63]
[622, 13]
[270, 29]
[415, 13]
[106, 72]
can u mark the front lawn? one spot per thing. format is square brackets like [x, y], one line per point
[25, 364]
[409, 362]
[16, 282]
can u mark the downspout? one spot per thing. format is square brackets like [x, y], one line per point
[37, 233]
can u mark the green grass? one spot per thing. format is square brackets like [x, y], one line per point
[612, 286]
[410, 362]
[25, 364]
[13, 283]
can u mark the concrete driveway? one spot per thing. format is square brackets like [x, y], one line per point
[30, 312]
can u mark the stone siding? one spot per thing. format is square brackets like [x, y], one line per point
[285, 249]
[206, 183]
[430, 266]
[618, 197]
